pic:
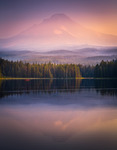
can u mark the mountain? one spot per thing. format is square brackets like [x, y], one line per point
[57, 32]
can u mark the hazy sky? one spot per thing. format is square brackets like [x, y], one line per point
[17, 15]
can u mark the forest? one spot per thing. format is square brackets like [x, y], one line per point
[26, 70]
[20, 69]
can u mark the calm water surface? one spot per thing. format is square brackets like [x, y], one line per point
[58, 114]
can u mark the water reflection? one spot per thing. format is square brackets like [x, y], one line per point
[11, 87]
[58, 114]
[46, 127]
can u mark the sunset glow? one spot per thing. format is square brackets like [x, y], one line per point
[31, 25]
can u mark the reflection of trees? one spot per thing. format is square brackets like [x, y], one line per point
[1, 87]
[0, 84]
[11, 87]
[106, 87]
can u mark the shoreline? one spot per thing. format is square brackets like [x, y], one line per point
[36, 78]
[55, 78]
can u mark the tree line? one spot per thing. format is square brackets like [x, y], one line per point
[106, 69]
[26, 70]
[19, 69]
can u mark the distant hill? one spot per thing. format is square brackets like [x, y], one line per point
[83, 56]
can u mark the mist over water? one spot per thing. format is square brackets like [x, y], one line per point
[58, 114]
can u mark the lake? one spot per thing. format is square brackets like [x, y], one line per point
[63, 114]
